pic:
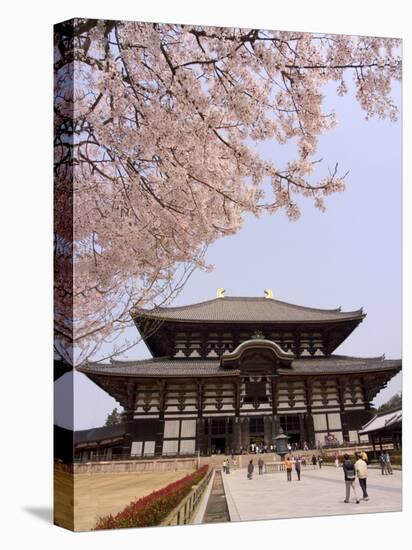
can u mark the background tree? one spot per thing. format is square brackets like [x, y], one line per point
[113, 418]
[393, 403]
[156, 128]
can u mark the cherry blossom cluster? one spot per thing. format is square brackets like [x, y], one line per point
[157, 129]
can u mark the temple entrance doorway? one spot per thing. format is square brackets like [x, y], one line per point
[218, 445]
[291, 426]
[294, 438]
[258, 440]
[256, 432]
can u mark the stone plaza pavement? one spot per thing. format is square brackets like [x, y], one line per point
[320, 492]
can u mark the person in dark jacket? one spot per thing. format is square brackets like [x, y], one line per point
[314, 460]
[250, 469]
[260, 464]
[297, 467]
[350, 476]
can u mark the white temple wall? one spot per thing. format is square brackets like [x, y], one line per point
[319, 422]
[334, 421]
[179, 436]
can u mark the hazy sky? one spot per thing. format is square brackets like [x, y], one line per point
[349, 256]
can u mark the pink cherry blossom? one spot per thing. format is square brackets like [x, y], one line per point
[156, 127]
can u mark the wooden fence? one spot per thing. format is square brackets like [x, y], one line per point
[184, 512]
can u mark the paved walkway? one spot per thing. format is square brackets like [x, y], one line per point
[319, 493]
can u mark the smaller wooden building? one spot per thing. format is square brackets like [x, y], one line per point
[384, 428]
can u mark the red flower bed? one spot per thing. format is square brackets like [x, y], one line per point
[152, 509]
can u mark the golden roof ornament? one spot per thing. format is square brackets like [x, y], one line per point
[268, 293]
[220, 293]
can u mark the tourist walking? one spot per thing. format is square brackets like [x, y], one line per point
[361, 469]
[364, 456]
[297, 467]
[288, 465]
[320, 460]
[382, 462]
[350, 476]
[314, 461]
[250, 469]
[336, 460]
[260, 465]
[388, 463]
[225, 463]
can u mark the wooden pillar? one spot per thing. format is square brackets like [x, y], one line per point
[267, 426]
[275, 419]
[309, 425]
[275, 426]
[302, 429]
[128, 414]
[310, 430]
[228, 441]
[245, 432]
[201, 445]
[341, 393]
[237, 434]
[274, 396]
[127, 440]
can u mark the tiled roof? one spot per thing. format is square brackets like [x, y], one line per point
[382, 421]
[97, 434]
[161, 366]
[342, 364]
[246, 309]
[165, 367]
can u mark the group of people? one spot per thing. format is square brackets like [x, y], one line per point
[226, 465]
[289, 462]
[257, 448]
[251, 467]
[298, 446]
[385, 463]
[317, 461]
[353, 470]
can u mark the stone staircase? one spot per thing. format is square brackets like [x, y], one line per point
[241, 461]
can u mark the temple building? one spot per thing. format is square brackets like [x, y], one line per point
[232, 371]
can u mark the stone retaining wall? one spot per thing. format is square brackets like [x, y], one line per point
[130, 466]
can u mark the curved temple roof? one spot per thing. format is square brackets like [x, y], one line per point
[165, 367]
[247, 309]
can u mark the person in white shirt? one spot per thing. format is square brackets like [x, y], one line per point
[361, 469]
